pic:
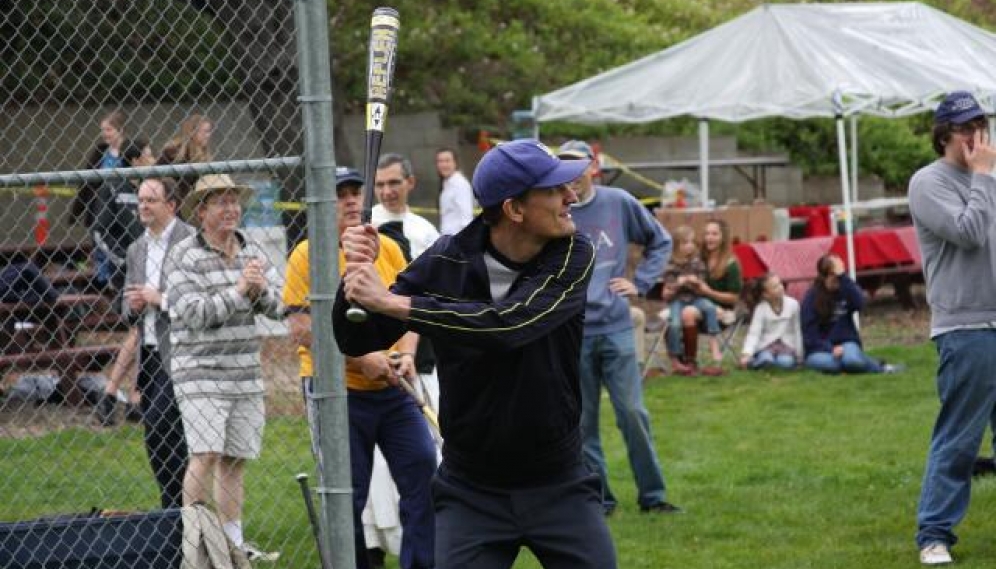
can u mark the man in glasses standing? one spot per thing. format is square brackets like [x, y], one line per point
[953, 203]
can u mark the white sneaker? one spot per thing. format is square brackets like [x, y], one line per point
[935, 554]
[254, 553]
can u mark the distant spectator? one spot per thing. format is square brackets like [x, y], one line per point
[218, 280]
[829, 334]
[456, 197]
[775, 337]
[721, 286]
[107, 153]
[97, 203]
[191, 144]
[951, 201]
[394, 183]
[146, 309]
[683, 277]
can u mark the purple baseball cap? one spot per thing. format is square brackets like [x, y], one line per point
[958, 107]
[512, 168]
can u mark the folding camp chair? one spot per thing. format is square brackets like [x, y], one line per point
[652, 359]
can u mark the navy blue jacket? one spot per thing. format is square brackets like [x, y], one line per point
[508, 370]
[818, 337]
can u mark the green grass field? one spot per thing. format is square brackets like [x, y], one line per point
[775, 470]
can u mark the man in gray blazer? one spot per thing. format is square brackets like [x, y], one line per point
[145, 307]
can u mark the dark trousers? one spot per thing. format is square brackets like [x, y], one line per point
[164, 440]
[562, 523]
[390, 419]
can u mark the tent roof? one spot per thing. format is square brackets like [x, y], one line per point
[885, 59]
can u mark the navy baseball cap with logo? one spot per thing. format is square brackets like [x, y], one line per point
[345, 175]
[958, 107]
[512, 168]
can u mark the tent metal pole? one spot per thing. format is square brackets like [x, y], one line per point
[704, 160]
[846, 193]
[536, 127]
[854, 158]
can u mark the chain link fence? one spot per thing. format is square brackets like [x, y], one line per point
[174, 87]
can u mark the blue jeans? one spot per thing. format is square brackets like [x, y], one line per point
[704, 306]
[764, 359]
[853, 360]
[966, 386]
[610, 360]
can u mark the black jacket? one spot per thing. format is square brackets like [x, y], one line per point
[508, 370]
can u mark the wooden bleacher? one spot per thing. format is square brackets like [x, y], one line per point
[59, 337]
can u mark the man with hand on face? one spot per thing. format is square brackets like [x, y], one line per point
[613, 219]
[380, 413]
[145, 307]
[218, 280]
[953, 203]
[503, 301]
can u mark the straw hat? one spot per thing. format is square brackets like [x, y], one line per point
[207, 185]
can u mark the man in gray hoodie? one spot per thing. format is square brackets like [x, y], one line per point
[953, 203]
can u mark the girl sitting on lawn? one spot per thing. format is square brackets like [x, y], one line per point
[683, 280]
[828, 330]
[774, 338]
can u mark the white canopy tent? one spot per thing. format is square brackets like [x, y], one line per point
[798, 61]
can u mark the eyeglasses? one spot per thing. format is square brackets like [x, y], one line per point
[393, 183]
[150, 200]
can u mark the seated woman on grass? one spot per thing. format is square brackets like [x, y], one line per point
[774, 338]
[831, 338]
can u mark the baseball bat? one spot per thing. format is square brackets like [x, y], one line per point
[309, 504]
[384, 26]
[430, 415]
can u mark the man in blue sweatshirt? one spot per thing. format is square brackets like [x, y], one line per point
[953, 203]
[612, 219]
[503, 302]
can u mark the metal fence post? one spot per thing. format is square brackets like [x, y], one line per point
[316, 103]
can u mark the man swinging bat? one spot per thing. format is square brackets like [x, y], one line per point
[503, 302]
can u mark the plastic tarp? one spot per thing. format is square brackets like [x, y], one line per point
[793, 60]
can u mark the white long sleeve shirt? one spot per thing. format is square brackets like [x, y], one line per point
[766, 326]
[456, 204]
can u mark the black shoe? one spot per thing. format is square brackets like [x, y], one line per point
[133, 413]
[608, 509]
[376, 557]
[984, 466]
[105, 411]
[661, 508]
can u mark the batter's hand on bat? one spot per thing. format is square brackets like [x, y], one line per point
[361, 244]
[363, 286]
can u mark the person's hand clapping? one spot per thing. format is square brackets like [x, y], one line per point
[134, 297]
[252, 282]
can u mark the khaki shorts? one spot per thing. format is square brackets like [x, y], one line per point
[230, 427]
